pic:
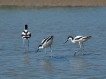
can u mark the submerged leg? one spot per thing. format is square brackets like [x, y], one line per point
[78, 49]
[28, 44]
[51, 51]
[82, 48]
[45, 51]
[24, 42]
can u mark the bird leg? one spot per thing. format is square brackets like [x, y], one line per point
[81, 47]
[24, 43]
[76, 51]
[51, 51]
[45, 51]
[28, 44]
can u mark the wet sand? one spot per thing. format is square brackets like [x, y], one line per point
[53, 2]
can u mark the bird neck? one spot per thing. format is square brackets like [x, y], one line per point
[41, 47]
[72, 39]
[26, 30]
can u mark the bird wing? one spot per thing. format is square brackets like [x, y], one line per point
[44, 40]
[29, 34]
[78, 37]
[49, 38]
[86, 37]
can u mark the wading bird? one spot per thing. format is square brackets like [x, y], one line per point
[46, 42]
[80, 40]
[26, 35]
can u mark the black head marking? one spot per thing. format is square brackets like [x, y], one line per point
[70, 37]
[26, 27]
[39, 46]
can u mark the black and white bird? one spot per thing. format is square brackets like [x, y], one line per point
[46, 42]
[80, 40]
[26, 35]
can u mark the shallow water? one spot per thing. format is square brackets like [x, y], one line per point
[16, 62]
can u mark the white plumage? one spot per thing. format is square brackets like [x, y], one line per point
[46, 42]
[80, 40]
[26, 35]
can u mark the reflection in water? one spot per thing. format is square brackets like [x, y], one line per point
[25, 60]
[47, 68]
[79, 66]
[60, 22]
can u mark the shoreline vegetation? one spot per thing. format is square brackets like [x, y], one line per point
[57, 3]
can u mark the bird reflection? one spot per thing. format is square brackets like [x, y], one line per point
[79, 65]
[25, 60]
[47, 68]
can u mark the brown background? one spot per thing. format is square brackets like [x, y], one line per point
[54, 2]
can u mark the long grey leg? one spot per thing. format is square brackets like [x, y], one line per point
[28, 44]
[45, 51]
[24, 42]
[78, 49]
[81, 47]
[51, 51]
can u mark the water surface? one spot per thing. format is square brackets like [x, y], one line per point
[16, 62]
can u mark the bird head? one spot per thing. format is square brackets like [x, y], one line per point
[26, 27]
[39, 47]
[69, 38]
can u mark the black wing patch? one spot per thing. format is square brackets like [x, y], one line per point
[44, 40]
[78, 38]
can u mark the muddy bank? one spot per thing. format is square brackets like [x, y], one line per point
[53, 2]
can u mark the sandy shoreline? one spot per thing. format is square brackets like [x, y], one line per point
[53, 2]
